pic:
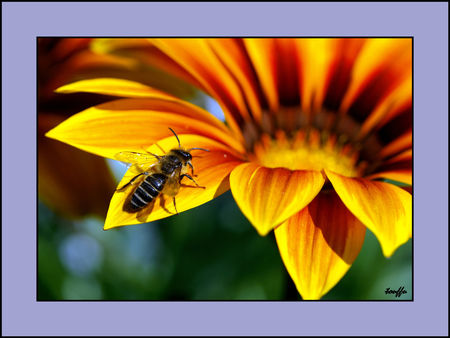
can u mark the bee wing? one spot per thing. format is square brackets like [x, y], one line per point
[135, 157]
[142, 162]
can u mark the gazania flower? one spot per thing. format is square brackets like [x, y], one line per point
[316, 144]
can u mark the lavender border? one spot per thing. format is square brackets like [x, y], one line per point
[427, 22]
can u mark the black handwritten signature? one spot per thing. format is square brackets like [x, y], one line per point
[398, 293]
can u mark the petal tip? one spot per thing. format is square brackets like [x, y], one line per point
[262, 231]
[256, 190]
[388, 252]
[60, 90]
[51, 133]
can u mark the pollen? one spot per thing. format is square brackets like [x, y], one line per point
[307, 150]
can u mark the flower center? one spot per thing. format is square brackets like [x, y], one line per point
[306, 152]
[313, 145]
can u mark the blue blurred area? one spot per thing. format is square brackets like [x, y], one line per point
[209, 104]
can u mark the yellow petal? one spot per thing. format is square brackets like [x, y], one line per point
[114, 87]
[156, 99]
[135, 124]
[382, 207]
[267, 197]
[319, 244]
[211, 169]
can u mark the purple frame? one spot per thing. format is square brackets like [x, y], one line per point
[426, 22]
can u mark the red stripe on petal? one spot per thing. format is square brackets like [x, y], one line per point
[319, 244]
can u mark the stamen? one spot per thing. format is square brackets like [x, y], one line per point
[295, 140]
[305, 153]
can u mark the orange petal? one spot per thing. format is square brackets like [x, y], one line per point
[397, 168]
[83, 64]
[319, 244]
[210, 72]
[267, 197]
[154, 66]
[402, 157]
[211, 169]
[317, 57]
[263, 56]
[108, 45]
[381, 65]
[400, 143]
[287, 68]
[149, 65]
[384, 208]
[339, 77]
[233, 55]
[389, 107]
[65, 47]
[87, 59]
[135, 124]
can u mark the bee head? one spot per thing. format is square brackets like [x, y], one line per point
[184, 155]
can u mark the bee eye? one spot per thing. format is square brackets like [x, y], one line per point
[187, 156]
[183, 155]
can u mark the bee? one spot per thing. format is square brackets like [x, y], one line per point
[162, 176]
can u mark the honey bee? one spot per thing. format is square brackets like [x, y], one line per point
[161, 175]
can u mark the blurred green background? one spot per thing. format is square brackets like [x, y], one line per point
[208, 253]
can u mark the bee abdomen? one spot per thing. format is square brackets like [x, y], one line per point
[147, 191]
[156, 180]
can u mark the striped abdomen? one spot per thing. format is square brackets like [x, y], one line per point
[146, 192]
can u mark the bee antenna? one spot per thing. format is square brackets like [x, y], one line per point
[198, 149]
[179, 144]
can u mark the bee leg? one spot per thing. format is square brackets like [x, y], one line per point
[175, 205]
[188, 176]
[192, 167]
